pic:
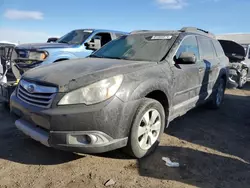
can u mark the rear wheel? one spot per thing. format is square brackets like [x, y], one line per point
[218, 96]
[147, 127]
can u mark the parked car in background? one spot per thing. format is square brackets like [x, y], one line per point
[76, 44]
[7, 79]
[124, 94]
[242, 39]
[5, 57]
[70, 46]
[238, 69]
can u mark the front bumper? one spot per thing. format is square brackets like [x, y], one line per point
[50, 139]
[76, 128]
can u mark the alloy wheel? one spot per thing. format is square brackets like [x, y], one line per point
[149, 129]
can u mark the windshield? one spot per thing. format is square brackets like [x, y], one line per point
[75, 37]
[143, 47]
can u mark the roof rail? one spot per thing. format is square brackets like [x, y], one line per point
[138, 31]
[197, 30]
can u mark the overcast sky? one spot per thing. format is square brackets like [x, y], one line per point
[35, 21]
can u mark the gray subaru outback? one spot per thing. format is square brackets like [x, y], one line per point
[123, 95]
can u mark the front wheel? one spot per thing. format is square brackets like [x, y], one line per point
[147, 127]
[218, 95]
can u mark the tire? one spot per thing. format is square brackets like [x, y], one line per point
[140, 146]
[218, 96]
[242, 78]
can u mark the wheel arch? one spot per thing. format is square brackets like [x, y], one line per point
[61, 59]
[224, 74]
[162, 98]
[156, 90]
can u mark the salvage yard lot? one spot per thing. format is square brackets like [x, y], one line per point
[212, 147]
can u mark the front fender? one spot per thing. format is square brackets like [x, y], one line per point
[144, 88]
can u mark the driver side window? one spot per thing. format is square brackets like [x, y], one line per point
[189, 44]
[104, 37]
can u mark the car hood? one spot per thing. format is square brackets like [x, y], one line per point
[72, 74]
[233, 50]
[34, 46]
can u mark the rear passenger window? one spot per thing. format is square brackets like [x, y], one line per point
[207, 50]
[219, 50]
[189, 44]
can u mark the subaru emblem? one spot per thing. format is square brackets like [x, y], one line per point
[31, 88]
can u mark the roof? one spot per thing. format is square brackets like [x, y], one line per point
[103, 30]
[6, 42]
[6, 45]
[154, 32]
[193, 30]
[241, 38]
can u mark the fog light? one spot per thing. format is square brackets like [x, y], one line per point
[82, 139]
[78, 139]
[88, 138]
[92, 139]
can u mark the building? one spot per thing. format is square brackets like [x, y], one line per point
[241, 38]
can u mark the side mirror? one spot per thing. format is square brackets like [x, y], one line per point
[52, 39]
[94, 44]
[187, 58]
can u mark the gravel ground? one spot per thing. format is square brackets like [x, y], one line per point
[212, 148]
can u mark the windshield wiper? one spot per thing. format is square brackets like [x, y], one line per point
[95, 56]
[62, 41]
[106, 57]
[115, 58]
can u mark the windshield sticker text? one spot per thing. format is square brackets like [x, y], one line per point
[88, 31]
[161, 37]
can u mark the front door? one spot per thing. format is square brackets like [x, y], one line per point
[186, 78]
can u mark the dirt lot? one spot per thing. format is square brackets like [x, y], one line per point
[211, 146]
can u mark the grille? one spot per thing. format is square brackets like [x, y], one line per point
[36, 95]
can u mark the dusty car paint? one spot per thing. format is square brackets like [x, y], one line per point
[183, 86]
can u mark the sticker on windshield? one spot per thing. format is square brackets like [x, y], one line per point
[88, 31]
[161, 37]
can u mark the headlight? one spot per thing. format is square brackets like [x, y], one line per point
[93, 93]
[38, 55]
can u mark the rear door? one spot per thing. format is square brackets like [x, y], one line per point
[209, 67]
